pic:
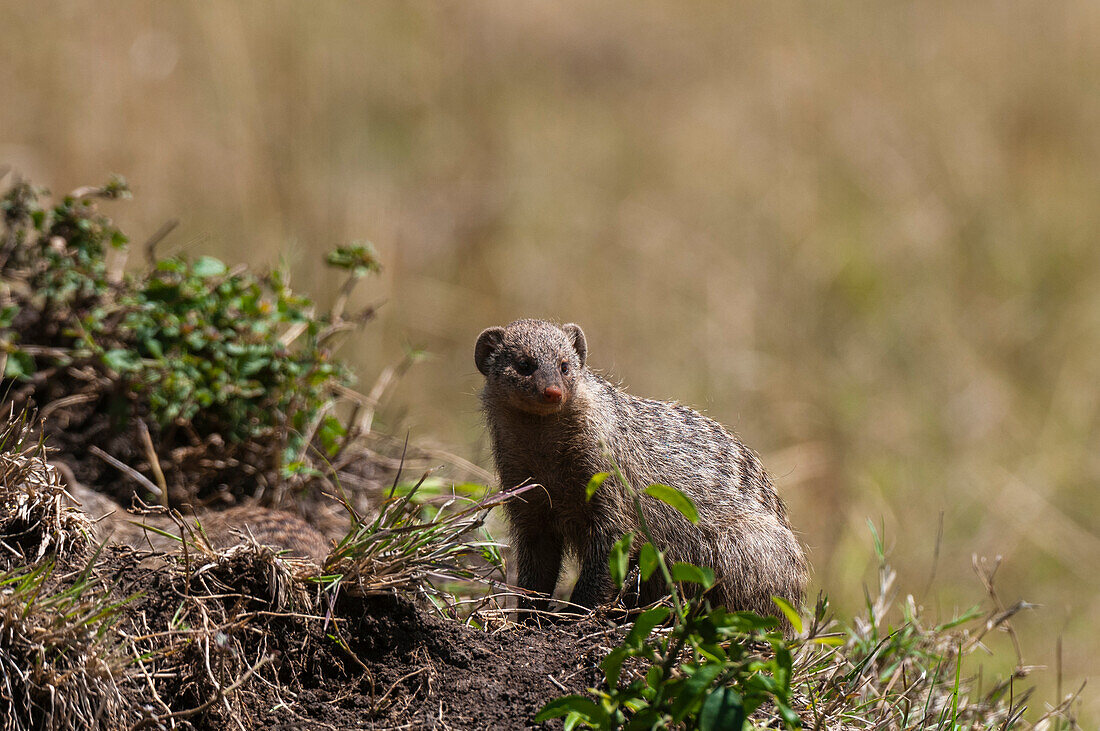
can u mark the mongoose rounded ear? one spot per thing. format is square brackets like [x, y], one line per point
[574, 332]
[487, 342]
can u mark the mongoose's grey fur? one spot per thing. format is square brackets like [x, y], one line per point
[556, 423]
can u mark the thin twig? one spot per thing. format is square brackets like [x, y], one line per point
[151, 244]
[154, 461]
[120, 465]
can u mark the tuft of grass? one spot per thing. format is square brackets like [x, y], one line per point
[415, 544]
[713, 669]
[34, 520]
[893, 668]
[61, 665]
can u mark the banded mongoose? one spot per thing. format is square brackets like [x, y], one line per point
[278, 529]
[554, 422]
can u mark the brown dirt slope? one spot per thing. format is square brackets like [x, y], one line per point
[400, 665]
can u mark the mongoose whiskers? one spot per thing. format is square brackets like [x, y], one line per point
[554, 422]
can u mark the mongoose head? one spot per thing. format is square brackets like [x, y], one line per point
[532, 365]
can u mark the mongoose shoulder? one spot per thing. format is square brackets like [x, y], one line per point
[222, 528]
[554, 422]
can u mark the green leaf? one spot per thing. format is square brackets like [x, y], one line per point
[713, 651]
[594, 484]
[586, 708]
[612, 666]
[723, 710]
[747, 622]
[7, 315]
[648, 561]
[693, 689]
[171, 264]
[208, 266]
[330, 433]
[695, 574]
[298, 467]
[19, 365]
[154, 347]
[121, 360]
[676, 499]
[645, 624]
[619, 562]
[644, 720]
[359, 257]
[792, 719]
[789, 612]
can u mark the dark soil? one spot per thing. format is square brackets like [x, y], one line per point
[403, 666]
[431, 673]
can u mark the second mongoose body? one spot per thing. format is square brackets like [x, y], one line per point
[223, 528]
[555, 423]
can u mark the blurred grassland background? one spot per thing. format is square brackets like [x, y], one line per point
[863, 234]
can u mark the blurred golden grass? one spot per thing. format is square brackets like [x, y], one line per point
[861, 233]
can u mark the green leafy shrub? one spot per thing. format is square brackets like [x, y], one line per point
[205, 354]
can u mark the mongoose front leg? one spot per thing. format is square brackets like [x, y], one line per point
[594, 586]
[538, 565]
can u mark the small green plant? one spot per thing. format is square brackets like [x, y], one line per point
[705, 670]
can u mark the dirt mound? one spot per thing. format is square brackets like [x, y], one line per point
[427, 672]
[245, 638]
[376, 661]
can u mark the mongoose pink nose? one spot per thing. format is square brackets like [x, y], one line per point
[551, 395]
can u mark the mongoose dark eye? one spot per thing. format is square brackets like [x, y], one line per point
[526, 366]
[565, 367]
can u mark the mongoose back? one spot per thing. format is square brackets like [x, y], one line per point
[555, 423]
